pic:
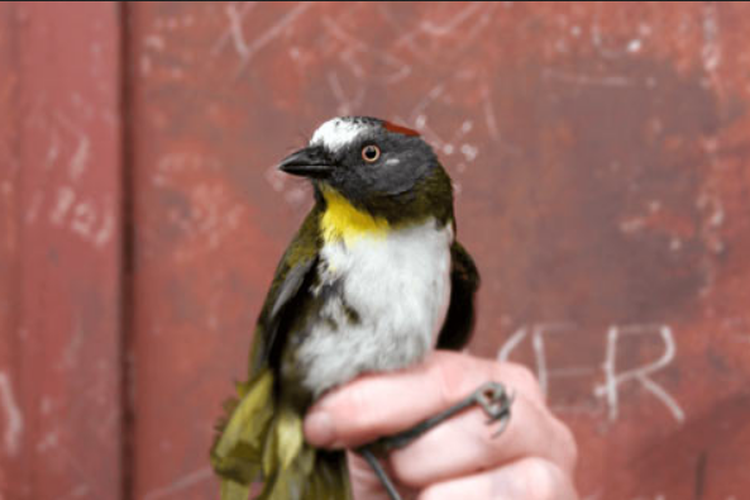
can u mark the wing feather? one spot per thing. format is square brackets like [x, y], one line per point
[459, 321]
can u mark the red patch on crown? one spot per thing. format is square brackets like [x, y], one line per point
[398, 129]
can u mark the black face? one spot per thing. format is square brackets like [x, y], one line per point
[383, 170]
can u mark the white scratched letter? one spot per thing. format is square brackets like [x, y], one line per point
[609, 389]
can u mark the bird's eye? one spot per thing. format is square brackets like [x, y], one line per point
[371, 153]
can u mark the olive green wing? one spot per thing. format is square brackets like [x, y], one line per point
[260, 439]
[293, 271]
[459, 321]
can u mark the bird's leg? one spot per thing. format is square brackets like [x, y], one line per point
[368, 454]
[491, 397]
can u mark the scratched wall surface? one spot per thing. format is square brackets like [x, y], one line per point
[60, 418]
[601, 163]
[599, 153]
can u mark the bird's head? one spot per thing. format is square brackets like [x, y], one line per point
[382, 169]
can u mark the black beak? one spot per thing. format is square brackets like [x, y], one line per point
[311, 162]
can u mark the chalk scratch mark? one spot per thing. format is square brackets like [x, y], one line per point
[419, 119]
[489, 113]
[13, 416]
[270, 34]
[183, 483]
[347, 105]
[711, 53]
[234, 30]
[476, 15]
[79, 491]
[440, 30]
[516, 338]
[65, 199]
[589, 80]
[610, 388]
[80, 158]
[400, 69]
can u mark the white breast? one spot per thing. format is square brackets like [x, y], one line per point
[398, 286]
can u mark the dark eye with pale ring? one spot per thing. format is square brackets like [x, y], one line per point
[370, 153]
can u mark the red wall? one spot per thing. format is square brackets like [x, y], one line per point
[601, 157]
[61, 432]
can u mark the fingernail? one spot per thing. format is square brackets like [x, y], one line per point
[319, 428]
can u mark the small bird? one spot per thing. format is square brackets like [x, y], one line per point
[372, 282]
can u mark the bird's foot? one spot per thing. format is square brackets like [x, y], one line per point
[491, 397]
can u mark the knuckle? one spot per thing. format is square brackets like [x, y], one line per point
[452, 381]
[525, 377]
[523, 380]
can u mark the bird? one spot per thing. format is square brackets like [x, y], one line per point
[372, 282]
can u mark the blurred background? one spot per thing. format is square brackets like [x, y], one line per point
[600, 156]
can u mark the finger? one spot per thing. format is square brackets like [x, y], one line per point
[526, 479]
[465, 444]
[383, 404]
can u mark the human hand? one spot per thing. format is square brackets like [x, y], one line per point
[533, 459]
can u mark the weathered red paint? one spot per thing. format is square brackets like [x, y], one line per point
[598, 152]
[60, 247]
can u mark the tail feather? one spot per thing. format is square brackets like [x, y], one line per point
[331, 477]
[232, 490]
[263, 440]
[237, 452]
[312, 475]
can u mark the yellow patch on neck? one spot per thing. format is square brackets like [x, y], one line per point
[342, 221]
